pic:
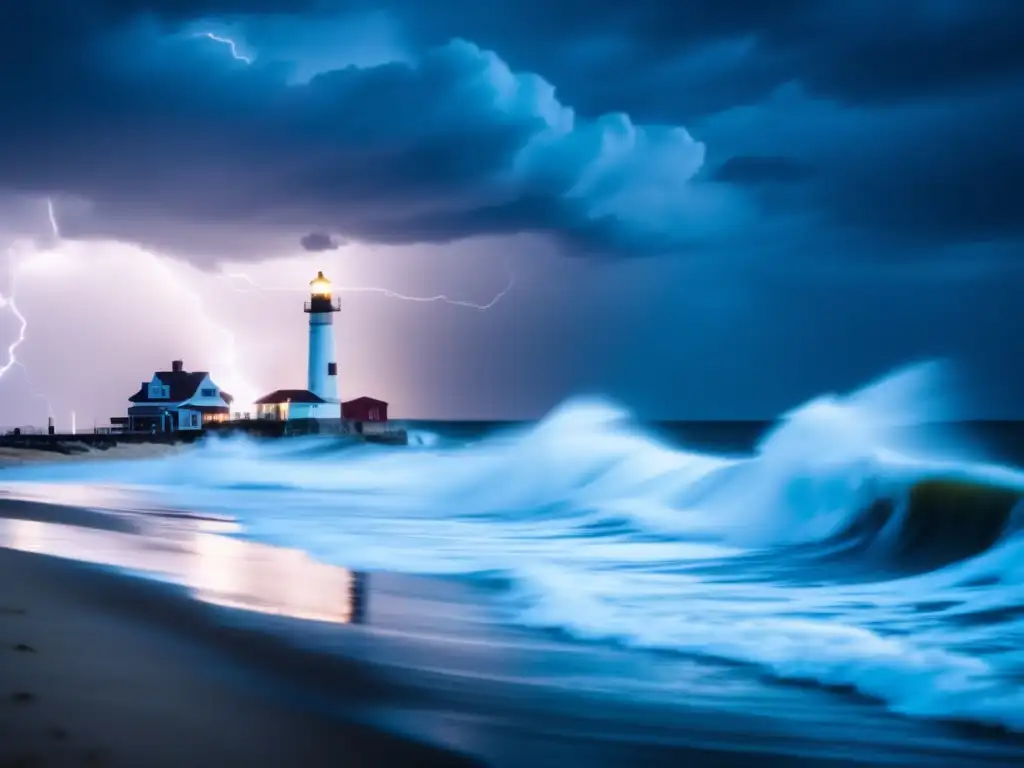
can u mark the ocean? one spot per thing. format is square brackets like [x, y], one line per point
[861, 547]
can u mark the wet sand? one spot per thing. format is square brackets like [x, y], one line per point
[246, 654]
[85, 684]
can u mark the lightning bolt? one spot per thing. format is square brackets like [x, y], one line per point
[53, 218]
[438, 298]
[441, 297]
[12, 348]
[229, 43]
[9, 302]
[237, 384]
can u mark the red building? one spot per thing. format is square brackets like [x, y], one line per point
[364, 409]
[368, 417]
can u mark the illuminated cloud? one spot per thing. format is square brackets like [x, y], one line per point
[837, 176]
[429, 134]
[172, 129]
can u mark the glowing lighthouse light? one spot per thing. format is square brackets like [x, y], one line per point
[322, 371]
[320, 286]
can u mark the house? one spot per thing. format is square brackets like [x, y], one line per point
[365, 415]
[177, 400]
[289, 404]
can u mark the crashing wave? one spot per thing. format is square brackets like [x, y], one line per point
[839, 551]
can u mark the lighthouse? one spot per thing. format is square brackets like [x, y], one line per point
[322, 371]
[318, 410]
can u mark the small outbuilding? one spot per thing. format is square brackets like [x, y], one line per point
[365, 415]
[288, 404]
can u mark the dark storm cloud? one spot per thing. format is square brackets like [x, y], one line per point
[927, 162]
[869, 51]
[169, 132]
[917, 176]
[755, 169]
[455, 144]
[316, 242]
[947, 173]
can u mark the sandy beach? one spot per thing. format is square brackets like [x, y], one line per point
[84, 682]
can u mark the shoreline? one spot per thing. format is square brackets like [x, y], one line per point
[116, 653]
[92, 676]
[106, 669]
[18, 452]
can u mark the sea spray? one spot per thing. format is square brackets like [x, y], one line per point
[787, 559]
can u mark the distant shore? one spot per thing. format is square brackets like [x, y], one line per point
[33, 447]
[12, 456]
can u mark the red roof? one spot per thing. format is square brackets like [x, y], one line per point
[365, 409]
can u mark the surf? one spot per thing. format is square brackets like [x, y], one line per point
[856, 546]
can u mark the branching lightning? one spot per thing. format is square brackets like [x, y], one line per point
[12, 349]
[243, 389]
[442, 298]
[240, 388]
[9, 302]
[229, 43]
[430, 299]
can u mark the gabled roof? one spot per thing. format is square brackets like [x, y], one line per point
[279, 396]
[364, 409]
[182, 384]
[365, 401]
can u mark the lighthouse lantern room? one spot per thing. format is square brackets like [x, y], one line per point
[322, 371]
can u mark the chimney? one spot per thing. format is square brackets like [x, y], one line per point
[177, 366]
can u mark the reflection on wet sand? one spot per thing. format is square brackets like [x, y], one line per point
[216, 568]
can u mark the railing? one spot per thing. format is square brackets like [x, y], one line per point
[23, 430]
[322, 304]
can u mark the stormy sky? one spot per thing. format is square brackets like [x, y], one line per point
[704, 208]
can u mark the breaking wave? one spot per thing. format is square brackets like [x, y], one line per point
[844, 550]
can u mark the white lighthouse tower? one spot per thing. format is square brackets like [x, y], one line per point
[322, 373]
